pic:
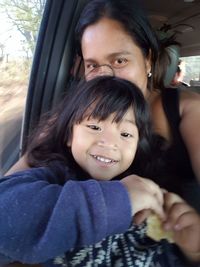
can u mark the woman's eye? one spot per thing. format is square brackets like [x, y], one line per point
[126, 135]
[120, 62]
[91, 66]
[94, 127]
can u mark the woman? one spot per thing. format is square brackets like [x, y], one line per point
[126, 44]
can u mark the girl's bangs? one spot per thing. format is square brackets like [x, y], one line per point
[102, 107]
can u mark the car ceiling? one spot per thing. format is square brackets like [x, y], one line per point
[181, 17]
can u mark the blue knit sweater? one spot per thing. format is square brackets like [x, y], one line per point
[42, 217]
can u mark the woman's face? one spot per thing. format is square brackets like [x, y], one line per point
[106, 43]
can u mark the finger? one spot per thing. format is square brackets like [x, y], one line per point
[170, 199]
[155, 190]
[187, 219]
[157, 208]
[164, 191]
[141, 216]
[174, 213]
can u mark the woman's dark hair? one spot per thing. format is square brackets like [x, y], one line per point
[130, 15]
[98, 98]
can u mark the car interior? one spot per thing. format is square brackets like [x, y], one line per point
[54, 57]
[180, 17]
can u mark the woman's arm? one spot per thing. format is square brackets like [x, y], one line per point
[20, 165]
[190, 127]
[184, 222]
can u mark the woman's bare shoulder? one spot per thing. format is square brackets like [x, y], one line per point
[189, 100]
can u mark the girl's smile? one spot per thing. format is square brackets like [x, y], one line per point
[104, 160]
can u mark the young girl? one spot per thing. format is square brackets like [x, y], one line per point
[94, 136]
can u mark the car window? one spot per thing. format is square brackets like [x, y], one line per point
[191, 68]
[20, 21]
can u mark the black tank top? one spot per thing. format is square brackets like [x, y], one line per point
[184, 181]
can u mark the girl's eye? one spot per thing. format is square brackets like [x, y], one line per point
[120, 62]
[94, 127]
[126, 135]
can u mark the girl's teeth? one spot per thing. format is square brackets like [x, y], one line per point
[103, 159]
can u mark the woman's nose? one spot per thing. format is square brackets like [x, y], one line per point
[102, 70]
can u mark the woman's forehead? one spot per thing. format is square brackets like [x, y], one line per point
[106, 35]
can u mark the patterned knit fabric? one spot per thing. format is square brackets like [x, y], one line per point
[132, 248]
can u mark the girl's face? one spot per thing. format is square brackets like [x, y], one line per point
[105, 149]
[107, 43]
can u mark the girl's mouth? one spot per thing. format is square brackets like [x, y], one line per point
[104, 160]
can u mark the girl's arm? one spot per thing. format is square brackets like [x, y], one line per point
[190, 127]
[40, 220]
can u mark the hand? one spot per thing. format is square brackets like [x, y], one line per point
[145, 195]
[184, 221]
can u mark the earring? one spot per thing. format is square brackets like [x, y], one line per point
[149, 74]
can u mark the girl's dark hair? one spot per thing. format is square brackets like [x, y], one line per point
[98, 98]
[130, 15]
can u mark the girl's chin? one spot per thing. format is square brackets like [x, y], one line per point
[102, 176]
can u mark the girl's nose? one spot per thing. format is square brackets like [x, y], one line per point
[109, 141]
[102, 70]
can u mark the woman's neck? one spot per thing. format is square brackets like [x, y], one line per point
[152, 96]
